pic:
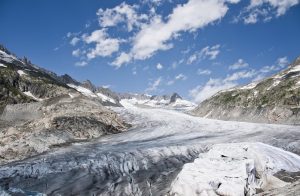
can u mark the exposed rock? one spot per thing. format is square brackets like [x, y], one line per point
[56, 121]
[88, 85]
[68, 79]
[174, 97]
[273, 100]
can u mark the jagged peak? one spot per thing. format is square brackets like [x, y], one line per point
[89, 85]
[296, 62]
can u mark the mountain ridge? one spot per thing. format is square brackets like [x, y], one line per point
[275, 99]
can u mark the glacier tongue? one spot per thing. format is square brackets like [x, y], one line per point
[235, 169]
[146, 159]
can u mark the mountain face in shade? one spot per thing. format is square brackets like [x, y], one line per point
[89, 85]
[273, 100]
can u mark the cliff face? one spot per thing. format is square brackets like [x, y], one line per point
[273, 100]
[23, 82]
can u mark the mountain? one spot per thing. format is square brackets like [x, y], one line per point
[23, 82]
[172, 101]
[275, 99]
[40, 110]
[88, 85]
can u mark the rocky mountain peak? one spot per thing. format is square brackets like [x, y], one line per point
[67, 79]
[296, 62]
[174, 97]
[89, 85]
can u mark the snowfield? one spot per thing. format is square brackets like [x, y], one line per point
[165, 152]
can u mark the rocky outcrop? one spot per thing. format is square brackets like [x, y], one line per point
[88, 85]
[33, 128]
[174, 97]
[113, 98]
[273, 100]
[68, 79]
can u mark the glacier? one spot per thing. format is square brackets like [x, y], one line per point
[158, 156]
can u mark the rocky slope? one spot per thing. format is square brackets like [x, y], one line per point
[40, 110]
[273, 100]
[23, 82]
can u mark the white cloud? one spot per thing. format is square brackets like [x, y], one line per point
[180, 77]
[171, 82]
[239, 64]
[81, 63]
[120, 60]
[192, 59]
[154, 85]
[195, 14]
[203, 72]
[175, 64]
[240, 75]
[105, 45]
[210, 52]
[76, 52]
[74, 41]
[159, 66]
[122, 13]
[106, 86]
[200, 93]
[265, 10]
[282, 61]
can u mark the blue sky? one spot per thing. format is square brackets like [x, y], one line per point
[193, 47]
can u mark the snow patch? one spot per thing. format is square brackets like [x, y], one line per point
[1, 65]
[106, 98]
[249, 86]
[7, 57]
[82, 90]
[232, 169]
[29, 94]
[21, 72]
[295, 68]
[275, 83]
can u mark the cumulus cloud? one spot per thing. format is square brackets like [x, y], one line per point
[239, 65]
[76, 52]
[105, 45]
[159, 66]
[203, 72]
[120, 60]
[188, 17]
[154, 85]
[265, 10]
[74, 41]
[122, 13]
[202, 92]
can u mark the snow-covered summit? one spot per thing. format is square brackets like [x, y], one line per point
[173, 101]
